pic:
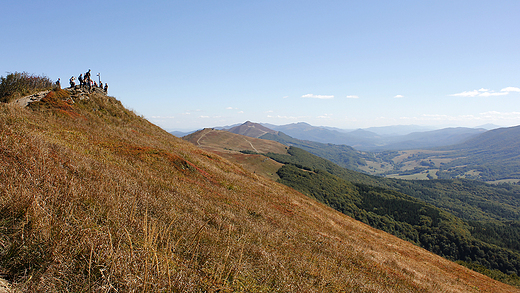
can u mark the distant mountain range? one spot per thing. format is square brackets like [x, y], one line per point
[380, 138]
[396, 137]
[472, 153]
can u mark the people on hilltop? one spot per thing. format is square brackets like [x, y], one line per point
[85, 82]
[58, 84]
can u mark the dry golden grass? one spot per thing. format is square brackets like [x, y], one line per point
[104, 201]
[209, 138]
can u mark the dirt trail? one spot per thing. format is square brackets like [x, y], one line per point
[204, 134]
[251, 145]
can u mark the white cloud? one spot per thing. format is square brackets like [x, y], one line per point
[317, 96]
[285, 117]
[490, 94]
[504, 118]
[398, 96]
[510, 89]
[325, 116]
[485, 92]
[500, 115]
[240, 112]
[352, 97]
[204, 117]
[163, 117]
[467, 94]
[285, 97]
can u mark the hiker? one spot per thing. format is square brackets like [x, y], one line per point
[106, 88]
[72, 82]
[80, 78]
[58, 85]
[87, 75]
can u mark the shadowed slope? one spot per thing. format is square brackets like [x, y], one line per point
[102, 200]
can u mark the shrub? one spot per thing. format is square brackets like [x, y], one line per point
[17, 84]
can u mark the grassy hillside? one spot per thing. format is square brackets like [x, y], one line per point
[412, 220]
[489, 212]
[251, 129]
[95, 198]
[240, 149]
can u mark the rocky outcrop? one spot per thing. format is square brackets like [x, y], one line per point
[24, 101]
[76, 93]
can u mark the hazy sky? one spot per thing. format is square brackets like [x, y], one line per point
[185, 65]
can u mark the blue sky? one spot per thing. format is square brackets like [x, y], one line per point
[186, 65]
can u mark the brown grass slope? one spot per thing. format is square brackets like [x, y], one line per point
[231, 146]
[251, 129]
[209, 138]
[96, 199]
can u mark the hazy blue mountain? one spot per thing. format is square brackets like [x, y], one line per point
[359, 139]
[397, 130]
[181, 133]
[380, 138]
[429, 139]
[488, 126]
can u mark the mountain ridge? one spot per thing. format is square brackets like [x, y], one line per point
[96, 198]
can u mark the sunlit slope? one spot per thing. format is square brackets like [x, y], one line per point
[243, 150]
[95, 198]
[211, 138]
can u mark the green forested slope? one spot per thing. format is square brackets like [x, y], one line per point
[343, 155]
[494, 154]
[485, 213]
[467, 199]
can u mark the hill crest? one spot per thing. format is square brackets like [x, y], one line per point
[251, 129]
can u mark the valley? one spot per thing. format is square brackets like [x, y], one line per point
[311, 176]
[467, 159]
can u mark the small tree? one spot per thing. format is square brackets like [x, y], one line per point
[17, 84]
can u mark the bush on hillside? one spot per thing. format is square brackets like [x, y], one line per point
[17, 84]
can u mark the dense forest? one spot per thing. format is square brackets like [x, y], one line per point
[493, 155]
[463, 220]
[343, 155]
